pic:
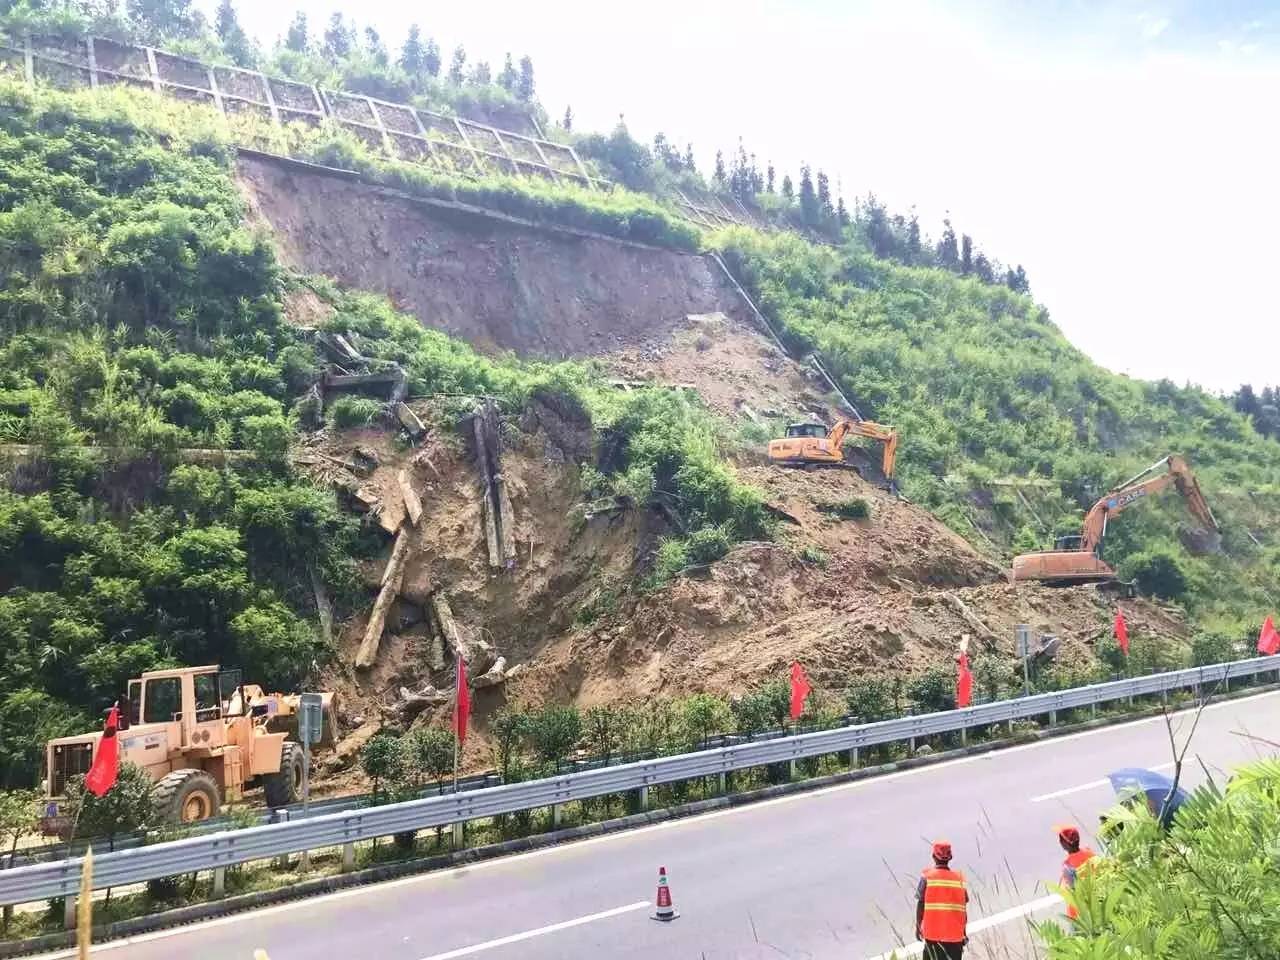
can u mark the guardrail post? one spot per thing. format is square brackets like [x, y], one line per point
[1053, 718]
[964, 736]
[853, 759]
[724, 783]
[348, 857]
[911, 747]
[1011, 726]
[557, 810]
[69, 912]
[643, 798]
[459, 835]
[1093, 711]
[219, 882]
[1226, 683]
[791, 770]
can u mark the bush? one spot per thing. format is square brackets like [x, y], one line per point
[814, 555]
[707, 545]
[1156, 572]
[855, 508]
[870, 699]
[353, 411]
[933, 690]
[1210, 648]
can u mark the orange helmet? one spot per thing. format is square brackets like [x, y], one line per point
[1068, 834]
[941, 850]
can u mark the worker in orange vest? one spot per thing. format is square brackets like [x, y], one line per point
[942, 908]
[1077, 857]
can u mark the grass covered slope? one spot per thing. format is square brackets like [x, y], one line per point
[142, 332]
[983, 386]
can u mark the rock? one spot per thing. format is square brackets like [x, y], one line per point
[366, 460]
[924, 750]
[493, 676]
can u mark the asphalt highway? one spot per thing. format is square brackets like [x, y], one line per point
[829, 873]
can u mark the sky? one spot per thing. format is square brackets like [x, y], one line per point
[1124, 152]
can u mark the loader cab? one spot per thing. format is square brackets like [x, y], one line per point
[815, 430]
[187, 703]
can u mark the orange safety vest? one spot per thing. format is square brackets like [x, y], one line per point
[945, 913]
[1071, 870]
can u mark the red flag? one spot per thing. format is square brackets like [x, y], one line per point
[799, 691]
[964, 681]
[1122, 632]
[1268, 639]
[461, 704]
[106, 759]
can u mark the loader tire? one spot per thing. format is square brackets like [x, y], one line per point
[285, 787]
[186, 796]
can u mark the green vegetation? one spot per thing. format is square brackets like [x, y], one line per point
[1208, 888]
[982, 387]
[141, 332]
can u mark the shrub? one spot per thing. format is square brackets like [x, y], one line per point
[814, 555]
[870, 699]
[855, 508]
[707, 545]
[932, 690]
[352, 411]
[1156, 572]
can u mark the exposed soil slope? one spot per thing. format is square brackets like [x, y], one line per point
[494, 284]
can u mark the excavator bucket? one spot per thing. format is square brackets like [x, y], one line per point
[284, 718]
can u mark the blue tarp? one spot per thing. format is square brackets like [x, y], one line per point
[1151, 786]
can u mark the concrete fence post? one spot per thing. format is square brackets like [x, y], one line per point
[348, 857]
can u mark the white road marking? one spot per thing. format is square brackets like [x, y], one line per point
[455, 873]
[541, 931]
[986, 923]
[1090, 785]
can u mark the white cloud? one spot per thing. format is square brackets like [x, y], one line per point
[1138, 192]
[1152, 27]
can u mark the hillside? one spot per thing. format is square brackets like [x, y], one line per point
[179, 487]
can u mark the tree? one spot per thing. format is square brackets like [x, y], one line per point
[124, 809]
[688, 157]
[431, 59]
[509, 728]
[1157, 572]
[412, 55]
[842, 213]
[914, 245]
[720, 176]
[788, 189]
[507, 78]
[809, 207]
[160, 20]
[296, 39]
[381, 758]
[457, 67]
[701, 716]
[524, 84]
[375, 47]
[554, 730]
[982, 268]
[824, 197]
[603, 730]
[234, 40]
[869, 700]
[429, 751]
[770, 173]
[567, 123]
[948, 253]
[966, 255]
[338, 38]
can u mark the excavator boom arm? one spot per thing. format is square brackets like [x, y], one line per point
[872, 431]
[1176, 473]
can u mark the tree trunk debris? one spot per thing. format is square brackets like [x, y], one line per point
[392, 579]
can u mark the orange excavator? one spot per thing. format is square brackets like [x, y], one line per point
[1078, 559]
[813, 445]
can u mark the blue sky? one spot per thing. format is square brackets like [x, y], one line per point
[1125, 152]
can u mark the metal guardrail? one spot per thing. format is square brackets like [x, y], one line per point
[43, 881]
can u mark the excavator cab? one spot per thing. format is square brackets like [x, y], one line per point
[815, 430]
[1071, 541]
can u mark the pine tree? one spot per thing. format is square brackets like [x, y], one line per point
[809, 209]
[160, 20]
[842, 212]
[457, 67]
[688, 157]
[1023, 285]
[824, 196]
[296, 39]
[568, 118]
[481, 75]
[720, 177]
[412, 55]
[769, 175]
[913, 238]
[948, 251]
[507, 78]
[524, 85]
[757, 181]
[338, 39]
[235, 41]
[982, 268]
[966, 254]
[788, 189]
[375, 47]
[431, 58]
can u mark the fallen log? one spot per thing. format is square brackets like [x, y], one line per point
[412, 502]
[478, 655]
[409, 420]
[506, 523]
[392, 578]
[324, 610]
[493, 676]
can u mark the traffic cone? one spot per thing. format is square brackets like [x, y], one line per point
[665, 911]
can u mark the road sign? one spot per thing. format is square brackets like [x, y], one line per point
[1022, 633]
[310, 718]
